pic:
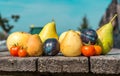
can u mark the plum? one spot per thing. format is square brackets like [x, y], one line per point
[51, 47]
[89, 36]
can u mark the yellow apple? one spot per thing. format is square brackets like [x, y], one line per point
[18, 38]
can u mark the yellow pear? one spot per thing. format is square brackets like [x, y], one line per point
[78, 32]
[61, 37]
[71, 44]
[48, 31]
[34, 46]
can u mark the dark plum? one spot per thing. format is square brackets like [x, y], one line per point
[89, 36]
[51, 47]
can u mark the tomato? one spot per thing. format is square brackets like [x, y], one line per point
[88, 50]
[22, 53]
[14, 50]
[98, 49]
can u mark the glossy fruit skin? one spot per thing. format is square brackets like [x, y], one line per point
[22, 53]
[51, 47]
[48, 31]
[14, 50]
[98, 49]
[88, 50]
[89, 36]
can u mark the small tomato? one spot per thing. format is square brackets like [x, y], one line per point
[22, 53]
[88, 50]
[14, 50]
[98, 49]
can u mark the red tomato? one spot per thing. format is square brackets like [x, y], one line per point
[22, 53]
[88, 50]
[14, 50]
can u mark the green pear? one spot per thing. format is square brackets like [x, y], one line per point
[105, 36]
[71, 44]
[48, 31]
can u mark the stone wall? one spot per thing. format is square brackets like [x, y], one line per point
[105, 65]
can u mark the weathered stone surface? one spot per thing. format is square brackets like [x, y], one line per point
[98, 65]
[106, 64]
[63, 64]
[17, 64]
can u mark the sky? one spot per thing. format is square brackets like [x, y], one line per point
[67, 14]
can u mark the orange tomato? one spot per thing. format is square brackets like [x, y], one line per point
[22, 53]
[88, 50]
[98, 49]
[14, 50]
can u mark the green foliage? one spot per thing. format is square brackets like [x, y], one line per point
[84, 25]
[4, 22]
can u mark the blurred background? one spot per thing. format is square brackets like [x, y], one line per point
[29, 15]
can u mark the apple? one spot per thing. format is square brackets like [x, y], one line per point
[31, 43]
[18, 38]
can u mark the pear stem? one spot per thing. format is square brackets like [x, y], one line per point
[113, 18]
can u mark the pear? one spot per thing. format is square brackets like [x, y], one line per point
[34, 45]
[61, 37]
[48, 31]
[105, 36]
[71, 44]
[78, 32]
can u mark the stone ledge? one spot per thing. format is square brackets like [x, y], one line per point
[54, 64]
[17, 64]
[63, 64]
[103, 64]
[106, 64]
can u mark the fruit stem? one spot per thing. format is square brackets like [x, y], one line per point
[86, 44]
[113, 18]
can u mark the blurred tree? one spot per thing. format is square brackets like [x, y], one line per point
[15, 17]
[84, 25]
[4, 23]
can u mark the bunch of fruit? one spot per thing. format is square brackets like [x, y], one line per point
[70, 43]
[73, 43]
[89, 38]
[31, 44]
